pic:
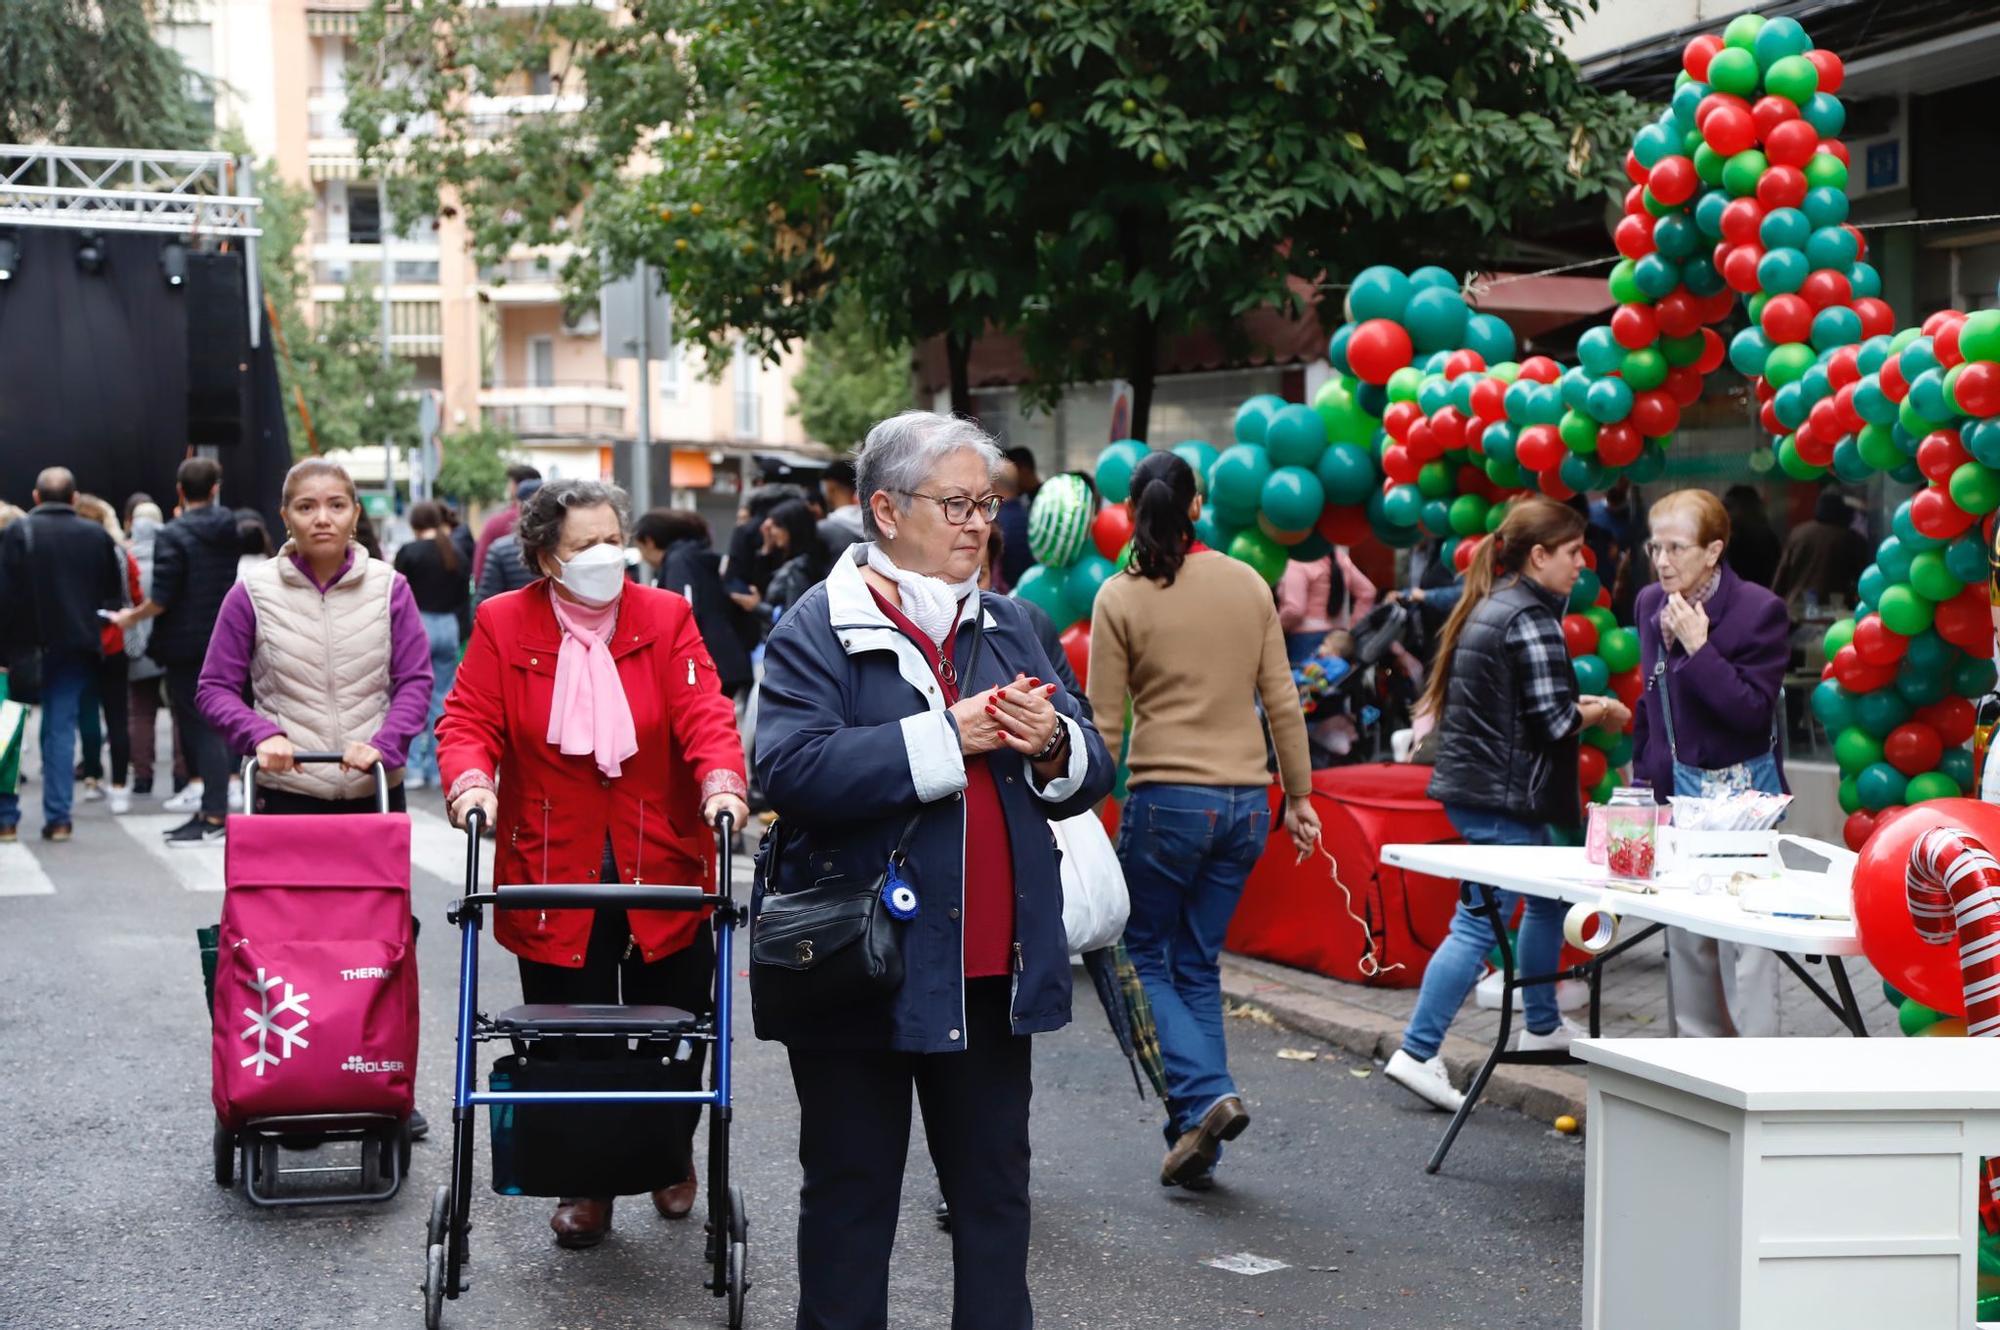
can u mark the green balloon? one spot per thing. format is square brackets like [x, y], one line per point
[1262, 553]
[1740, 35]
[1434, 480]
[1957, 764]
[1114, 469]
[1979, 335]
[1592, 678]
[1620, 649]
[1293, 497]
[1059, 520]
[1578, 431]
[1734, 71]
[1435, 518]
[1833, 705]
[1342, 416]
[1930, 785]
[1793, 78]
[1468, 515]
[1849, 795]
[1877, 444]
[1200, 457]
[1743, 170]
[1584, 594]
[1880, 786]
[1972, 676]
[1295, 437]
[1082, 583]
[1236, 484]
[1402, 506]
[1624, 286]
[1793, 465]
[1347, 473]
[1932, 578]
[1837, 637]
[1603, 620]
[1975, 488]
[1788, 363]
[1913, 1017]
[1904, 611]
[1043, 586]
[1823, 170]
[1644, 369]
[1856, 750]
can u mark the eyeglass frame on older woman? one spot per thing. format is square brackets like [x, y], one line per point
[1655, 548]
[989, 505]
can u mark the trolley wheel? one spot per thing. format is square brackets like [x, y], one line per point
[438, 1230]
[433, 1286]
[267, 1165]
[739, 1283]
[403, 1142]
[374, 1163]
[225, 1155]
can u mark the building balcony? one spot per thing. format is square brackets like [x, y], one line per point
[529, 280]
[489, 116]
[574, 409]
[336, 263]
[324, 108]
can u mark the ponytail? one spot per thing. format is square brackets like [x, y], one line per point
[1163, 489]
[433, 516]
[1530, 523]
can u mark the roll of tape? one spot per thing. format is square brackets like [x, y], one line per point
[1579, 932]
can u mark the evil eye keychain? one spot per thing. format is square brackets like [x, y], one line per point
[898, 897]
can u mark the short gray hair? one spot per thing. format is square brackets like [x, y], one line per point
[900, 453]
[540, 529]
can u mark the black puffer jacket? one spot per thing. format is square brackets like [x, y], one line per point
[1490, 753]
[194, 565]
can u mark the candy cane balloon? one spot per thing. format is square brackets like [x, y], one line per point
[1954, 885]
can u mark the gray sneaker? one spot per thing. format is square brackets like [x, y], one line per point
[197, 830]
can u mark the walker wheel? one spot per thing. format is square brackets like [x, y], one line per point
[739, 1283]
[434, 1286]
[437, 1231]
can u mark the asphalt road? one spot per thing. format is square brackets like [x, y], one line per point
[112, 1219]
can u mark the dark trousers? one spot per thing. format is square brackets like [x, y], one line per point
[105, 697]
[207, 752]
[144, 696]
[613, 971]
[854, 1138]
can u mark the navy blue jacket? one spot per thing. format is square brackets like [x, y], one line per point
[852, 738]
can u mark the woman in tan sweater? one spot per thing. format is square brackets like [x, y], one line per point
[1192, 638]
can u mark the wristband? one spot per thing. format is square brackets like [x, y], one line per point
[1055, 745]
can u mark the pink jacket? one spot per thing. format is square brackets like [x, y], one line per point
[1306, 590]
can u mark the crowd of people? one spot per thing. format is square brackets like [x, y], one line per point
[570, 657]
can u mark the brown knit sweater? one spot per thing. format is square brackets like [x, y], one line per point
[1194, 657]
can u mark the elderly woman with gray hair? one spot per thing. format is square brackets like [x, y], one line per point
[586, 722]
[908, 731]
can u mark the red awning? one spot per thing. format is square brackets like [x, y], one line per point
[1535, 305]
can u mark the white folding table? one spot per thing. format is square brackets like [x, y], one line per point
[1563, 873]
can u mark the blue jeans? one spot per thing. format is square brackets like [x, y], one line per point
[65, 678]
[1458, 963]
[442, 630]
[1187, 850]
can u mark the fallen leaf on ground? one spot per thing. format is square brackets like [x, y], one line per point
[1298, 1055]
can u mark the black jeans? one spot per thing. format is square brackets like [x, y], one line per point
[854, 1139]
[107, 698]
[207, 752]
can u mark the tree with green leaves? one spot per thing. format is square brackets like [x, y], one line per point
[356, 400]
[849, 379]
[1095, 176]
[473, 463]
[92, 73]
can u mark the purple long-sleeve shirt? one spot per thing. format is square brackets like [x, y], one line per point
[226, 670]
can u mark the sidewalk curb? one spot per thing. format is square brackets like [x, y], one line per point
[1539, 1092]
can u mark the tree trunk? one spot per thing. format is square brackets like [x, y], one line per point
[958, 355]
[1141, 368]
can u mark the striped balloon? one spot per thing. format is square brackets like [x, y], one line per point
[1059, 521]
[1954, 889]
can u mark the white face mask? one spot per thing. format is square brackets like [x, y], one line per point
[595, 576]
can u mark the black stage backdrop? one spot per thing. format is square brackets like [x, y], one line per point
[94, 375]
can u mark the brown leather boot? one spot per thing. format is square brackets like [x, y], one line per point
[1195, 1152]
[581, 1221]
[677, 1201]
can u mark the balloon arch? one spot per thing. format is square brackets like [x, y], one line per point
[1432, 426]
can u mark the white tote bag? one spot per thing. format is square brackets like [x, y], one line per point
[1095, 904]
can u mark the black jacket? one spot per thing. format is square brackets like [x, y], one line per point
[504, 570]
[692, 569]
[50, 595]
[1490, 753]
[194, 565]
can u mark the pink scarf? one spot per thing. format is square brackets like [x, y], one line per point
[589, 713]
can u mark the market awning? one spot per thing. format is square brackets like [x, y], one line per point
[1536, 305]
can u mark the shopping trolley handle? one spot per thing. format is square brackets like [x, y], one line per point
[303, 756]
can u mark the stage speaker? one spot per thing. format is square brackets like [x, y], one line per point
[218, 338]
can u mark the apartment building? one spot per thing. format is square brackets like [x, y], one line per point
[493, 342]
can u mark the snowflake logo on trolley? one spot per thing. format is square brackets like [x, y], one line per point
[265, 1022]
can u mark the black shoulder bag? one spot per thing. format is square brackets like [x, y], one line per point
[834, 943]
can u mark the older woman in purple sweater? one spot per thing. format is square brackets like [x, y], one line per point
[332, 649]
[1712, 650]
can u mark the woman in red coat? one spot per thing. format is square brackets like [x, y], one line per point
[586, 721]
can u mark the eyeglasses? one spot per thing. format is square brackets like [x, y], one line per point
[1673, 549]
[958, 509]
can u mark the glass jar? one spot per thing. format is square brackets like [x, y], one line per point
[1631, 833]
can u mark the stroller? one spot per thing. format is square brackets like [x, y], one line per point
[529, 1106]
[314, 998]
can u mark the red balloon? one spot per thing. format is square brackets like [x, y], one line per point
[1475, 438]
[1857, 829]
[1933, 514]
[1345, 525]
[1741, 220]
[1697, 53]
[1835, 148]
[1877, 319]
[1966, 620]
[1635, 326]
[1718, 307]
[1939, 454]
[1397, 418]
[1791, 144]
[1634, 236]
[1890, 376]
[1377, 349]
[1580, 636]
[1399, 466]
[1944, 342]
[1767, 416]
[1448, 428]
[1739, 268]
[1673, 180]
[1787, 318]
[1954, 719]
[1684, 383]
[1913, 748]
[1925, 971]
[1591, 766]
[1814, 448]
[1979, 388]
[1633, 171]
[1112, 527]
[1423, 441]
[1831, 71]
[1489, 399]
[1541, 369]
[1551, 483]
[1076, 645]
[1635, 199]
[1625, 687]
[1824, 287]
[1619, 444]
[1877, 643]
[1540, 448]
[1767, 113]
[1678, 314]
[1461, 554]
[1713, 349]
[1843, 407]
[1462, 362]
[1842, 367]
[1856, 675]
[1727, 129]
[1825, 422]
[1782, 187]
[1655, 414]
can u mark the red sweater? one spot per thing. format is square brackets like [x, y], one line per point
[989, 858]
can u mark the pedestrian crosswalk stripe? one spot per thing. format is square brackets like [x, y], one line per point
[21, 874]
[190, 867]
[438, 848]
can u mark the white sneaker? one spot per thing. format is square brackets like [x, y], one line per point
[236, 793]
[1428, 1081]
[1571, 994]
[187, 801]
[121, 799]
[413, 781]
[1555, 1041]
[93, 791]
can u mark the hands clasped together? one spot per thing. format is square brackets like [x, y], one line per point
[1018, 716]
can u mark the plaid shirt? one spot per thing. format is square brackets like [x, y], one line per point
[1548, 678]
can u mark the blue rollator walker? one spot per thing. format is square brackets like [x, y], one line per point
[446, 1246]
